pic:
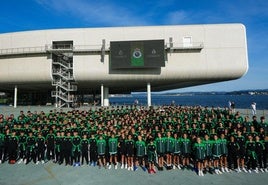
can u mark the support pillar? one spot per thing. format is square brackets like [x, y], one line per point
[102, 93]
[104, 96]
[15, 96]
[149, 100]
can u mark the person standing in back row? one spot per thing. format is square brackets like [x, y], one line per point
[233, 107]
[254, 108]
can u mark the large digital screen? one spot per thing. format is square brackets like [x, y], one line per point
[137, 54]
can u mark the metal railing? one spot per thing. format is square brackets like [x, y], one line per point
[65, 97]
[65, 86]
[63, 64]
[23, 50]
[183, 46]
[89, 48]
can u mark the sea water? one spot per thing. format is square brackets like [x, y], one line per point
[241, 101]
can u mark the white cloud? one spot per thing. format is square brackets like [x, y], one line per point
[96, 12]
[176, 17]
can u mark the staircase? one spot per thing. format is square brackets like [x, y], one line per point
[62, 74]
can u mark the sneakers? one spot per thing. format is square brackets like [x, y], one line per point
[238, 170]
[109, 167]
[178, 166]
[25, 161]
[266, 170]
[262, 170]
[37, 163]
[122, 166]
[218, 172]
[43, 162]
[20, 161]
[222, 169]
[76, 164]
[256, 170]
[174, 167]
[144, 168]
[200, 173]
[0, 161]
[115, 167]
[126, 166]
[249, 171]
[151, 171]
[227, 170]
[244, 170]
[135, 168]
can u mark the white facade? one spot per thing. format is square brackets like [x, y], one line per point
[200, 54]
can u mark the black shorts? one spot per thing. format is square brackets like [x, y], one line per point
[186, 155]
[224, 155]
[122, 150]
[129, 153]
[199, 160]
[140, 158]
[170, 153]
[241, 154]
[101, 156]
[160, 154]
[216, 157]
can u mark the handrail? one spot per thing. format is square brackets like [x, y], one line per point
[88, 48]
[23, 50]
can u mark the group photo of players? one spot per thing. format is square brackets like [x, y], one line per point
[201, 139]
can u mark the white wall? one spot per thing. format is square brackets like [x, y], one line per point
[223, 57]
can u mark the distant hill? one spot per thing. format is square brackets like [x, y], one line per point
[241, 92]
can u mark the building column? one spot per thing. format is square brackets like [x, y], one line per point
[149, 100]
[104, 96]
[15, 96]
[102, 93]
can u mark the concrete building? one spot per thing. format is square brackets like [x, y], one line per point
[67, 62]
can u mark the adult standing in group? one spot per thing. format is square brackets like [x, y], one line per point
[254, 108]
[233, 107]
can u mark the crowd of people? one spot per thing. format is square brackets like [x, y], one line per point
[206, 140]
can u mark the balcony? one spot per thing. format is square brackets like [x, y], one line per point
[184, 47]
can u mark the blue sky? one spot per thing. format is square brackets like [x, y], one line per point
[21, 15]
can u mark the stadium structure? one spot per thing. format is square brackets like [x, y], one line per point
[63, 63]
